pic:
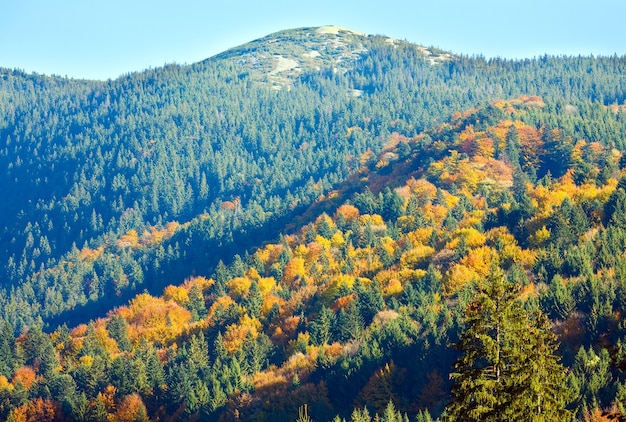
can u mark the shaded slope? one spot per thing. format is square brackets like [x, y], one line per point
[356, 306]
[86, 162]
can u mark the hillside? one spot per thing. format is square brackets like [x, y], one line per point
[359, 306]
[216, 145]
[307, 219]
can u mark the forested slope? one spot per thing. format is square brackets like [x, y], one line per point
[360, 307]
[195, 163]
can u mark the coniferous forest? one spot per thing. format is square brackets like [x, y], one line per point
[318, 225]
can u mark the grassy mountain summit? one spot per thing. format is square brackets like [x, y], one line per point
[280, 58]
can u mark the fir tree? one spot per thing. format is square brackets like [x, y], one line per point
[507, 369]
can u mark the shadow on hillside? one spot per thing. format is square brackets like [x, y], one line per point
[198, 254]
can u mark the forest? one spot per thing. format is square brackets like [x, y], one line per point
[211, 242]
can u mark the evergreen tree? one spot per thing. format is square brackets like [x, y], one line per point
[39, 351]
[196, 303]
[369, 300]
[392, 205]
[97, 410]
[615, 207]
[507, 369]
[590, 379]
[7, 349]
[253, 301]
[321, 328]
[222, 275]
[118, 330]
[324, 229]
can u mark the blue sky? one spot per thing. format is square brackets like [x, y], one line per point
[103, 39]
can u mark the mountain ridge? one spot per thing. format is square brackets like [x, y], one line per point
[273, 232]
[88, 161]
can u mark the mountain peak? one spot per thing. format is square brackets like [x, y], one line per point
[335, 29]
[280, 58]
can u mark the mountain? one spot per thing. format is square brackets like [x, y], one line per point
[281, 58]
[358, 307]
[305, 215]
[215, 144]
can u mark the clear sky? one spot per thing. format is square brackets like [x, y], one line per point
[101, 39]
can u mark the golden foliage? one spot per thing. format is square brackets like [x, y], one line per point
[270, 253]
[295, 268]
[238, 287]
[531, 146]
[269, 302]
[457, 277]
[271, 378]
[406, 274]
[389, 245]
[420, 236]
[25, 375]
[129, 240]
[202, 283]
[5, 384]
[237, 333]
[597, 415]
[416, 257]
[392, 287]
[320, 242]
[90, 255]
[220, 304]
[423, 190]
[79, 330]
[253, 274]
[497, 170]
[156, 236]
[338, 282]
[437, 213]
[300, 343]
[155, 319]
[349, 212]
[473, 238]
[342, 302]
[290, 325]
[337, 240]
[176, 293]
[86, 360]
[480, 260]
[39, 410]
[391, 281]
[299, 363]
[476, 143]
[266, 285]
[131, 409]
[108, 397]
[540, 236]
[104, 340]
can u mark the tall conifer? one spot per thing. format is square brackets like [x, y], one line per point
[507, 369]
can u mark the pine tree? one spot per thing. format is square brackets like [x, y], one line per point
[507, 369]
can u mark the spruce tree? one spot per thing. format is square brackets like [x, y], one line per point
[507, 369]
